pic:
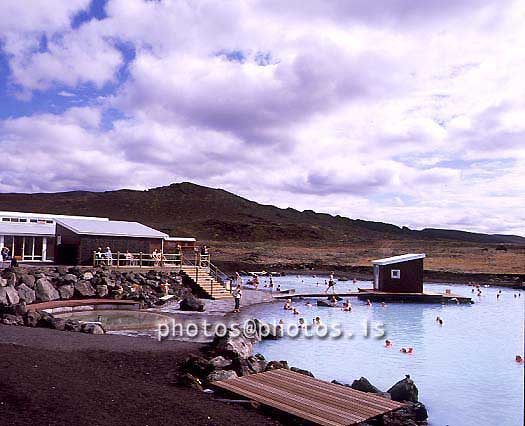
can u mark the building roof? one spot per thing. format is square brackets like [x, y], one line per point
[47, 216]
[27, 228]
[398, 259]
[110, 228]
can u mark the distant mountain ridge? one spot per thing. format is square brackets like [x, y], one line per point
[186, 209]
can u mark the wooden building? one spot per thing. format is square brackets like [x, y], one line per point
[399, 274]
[78, 239]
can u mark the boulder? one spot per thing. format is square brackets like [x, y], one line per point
[84, 288]
[3, 282]
[102, 290]
[191, 303]
[190, 381]
[70, 278]
[197, 366]
[91, 328]
[27, 279]
[420, 412]
[66, 291]
[32, 318]
[404, 390]
[219, 375]
[250, 365]
[9, 319]
[11, 279]
[364, 385]
[45, 291]
[233, 345]
[46, 320]
[72, 325]
[275, 365]
[220, 362]
[26, 293]
[59, 324]
[9, 296]
[301, 371]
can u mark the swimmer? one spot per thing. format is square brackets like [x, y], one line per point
[383, 304]
[388, 343]
[281, 322]
[317, 321]
[498, 295]
[302, 324]
[519, 359]
[410, 350]
[440, 321]
[308, 305]
[278, 287]
[403, 350]
[295, 311]
[368, 302]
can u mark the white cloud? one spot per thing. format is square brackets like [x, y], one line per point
[400, 113]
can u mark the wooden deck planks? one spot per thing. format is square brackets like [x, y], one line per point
[312, 399]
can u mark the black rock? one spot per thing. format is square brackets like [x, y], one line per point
[191, 303]
[364, 385]
[404, 390]
[301, 371]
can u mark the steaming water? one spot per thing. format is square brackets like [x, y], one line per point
[465, 370]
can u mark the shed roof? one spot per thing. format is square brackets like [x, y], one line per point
[184, 239]
[27, 228]
[398, 259]
[117, 228]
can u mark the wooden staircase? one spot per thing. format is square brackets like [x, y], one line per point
[209, 285]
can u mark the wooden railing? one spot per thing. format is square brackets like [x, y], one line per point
[140, 260]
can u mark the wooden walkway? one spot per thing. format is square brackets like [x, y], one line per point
[311, 399]
[381, 296]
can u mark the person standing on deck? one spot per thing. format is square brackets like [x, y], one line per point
[109, 256]
[237, 294]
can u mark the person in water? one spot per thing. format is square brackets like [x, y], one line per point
[388, 343]
[368, 302]
[519, 359]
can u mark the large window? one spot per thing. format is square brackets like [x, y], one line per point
[29, 249]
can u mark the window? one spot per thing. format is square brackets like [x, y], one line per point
[395, 274]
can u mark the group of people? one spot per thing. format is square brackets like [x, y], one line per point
[107, 258]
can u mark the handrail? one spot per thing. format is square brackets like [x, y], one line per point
[140, 259]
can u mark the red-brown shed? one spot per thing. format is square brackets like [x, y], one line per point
[399, 274]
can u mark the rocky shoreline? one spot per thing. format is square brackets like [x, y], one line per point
[232, 356]
[20, 288]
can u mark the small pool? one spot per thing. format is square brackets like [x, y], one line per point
[120, 320]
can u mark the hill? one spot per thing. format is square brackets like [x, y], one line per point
[186, 209]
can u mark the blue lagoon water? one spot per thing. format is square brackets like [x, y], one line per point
[465, 369]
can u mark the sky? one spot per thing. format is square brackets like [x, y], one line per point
[401, 111]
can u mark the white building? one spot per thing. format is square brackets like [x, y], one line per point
[31, 237]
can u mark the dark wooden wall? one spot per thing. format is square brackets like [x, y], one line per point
[411, 280]
[78, 249]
